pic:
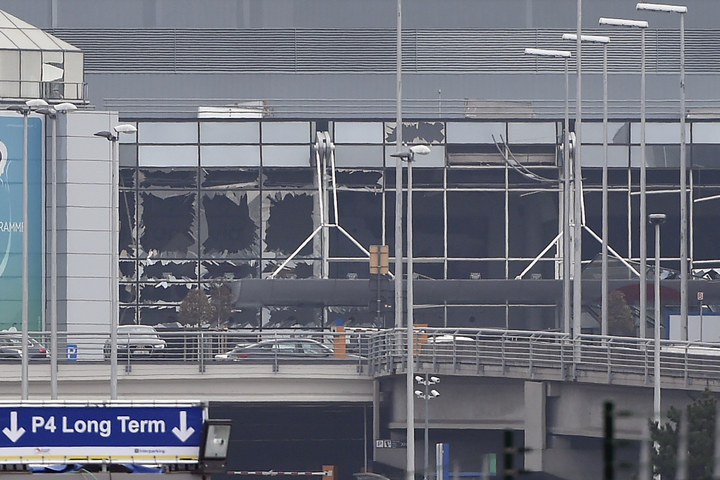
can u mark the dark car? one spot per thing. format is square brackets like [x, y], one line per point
[136, 341]
[279, 348]
[11, 348]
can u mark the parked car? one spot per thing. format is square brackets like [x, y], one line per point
[11, 348]
[278, 348]
[136, 341]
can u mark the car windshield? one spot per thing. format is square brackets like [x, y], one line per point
[313, 348]
[136, 330]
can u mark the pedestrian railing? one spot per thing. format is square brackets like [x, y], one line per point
[380, 352]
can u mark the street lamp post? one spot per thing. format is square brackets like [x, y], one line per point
[682, 10]
[25, 111]
[409, 156]
[427, 395]
[657, 219]
[642, 25]
[604, 41]
[541, 52]
[113, 137]
[51, 113]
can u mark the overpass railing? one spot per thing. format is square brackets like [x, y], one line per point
[546, 355]
[490, 352]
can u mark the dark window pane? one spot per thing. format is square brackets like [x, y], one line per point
[168, 224]
[290, 222]
[533, 218]
[215, 269]
[360, 217]
[476, 224]
[231, 178]
[231, 225]
[289, 177]
[168, 270]
[359, 178]
[127, 240]
[167, 178]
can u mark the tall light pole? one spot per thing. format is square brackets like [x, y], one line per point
[51, 113]
[398, 171]
[682, 10]
[25, 111]
[604, 41]
[409, 156]
[642, 25]
[113, 138]
[657, 219]
[542, 52]
[427, 395]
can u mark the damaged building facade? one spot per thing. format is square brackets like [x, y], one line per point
[220, 186]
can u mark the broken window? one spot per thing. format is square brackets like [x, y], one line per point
[167, 178]
[167, 223]
[168, 270]
[289, 222]
[417, 132]
[127, 240]
[163, 292]
[292, 317]
[229, 269]
[230, 224]
[216, 178]
[291, 178]
[360, 216]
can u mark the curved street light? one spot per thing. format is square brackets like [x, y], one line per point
[682, 10]
[52, 112]
[642, 25]
[542, 52]
[113, 138]
[408, 155]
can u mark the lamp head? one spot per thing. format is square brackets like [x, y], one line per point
[586, 38]
[125, 128]
[105, 134]
[21, 109]
[620, 22]
[36, 103]
[657, 218]
[544, 52]
[658, 7]
[65, 107]
[420, 149]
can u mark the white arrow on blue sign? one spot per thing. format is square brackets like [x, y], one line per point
[101, 433]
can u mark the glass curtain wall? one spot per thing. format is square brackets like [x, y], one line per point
[207, 203]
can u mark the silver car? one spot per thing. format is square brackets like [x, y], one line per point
[136, 341]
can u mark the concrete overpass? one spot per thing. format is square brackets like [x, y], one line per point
[547, 386]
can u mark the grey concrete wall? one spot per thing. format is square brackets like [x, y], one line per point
[84, 228]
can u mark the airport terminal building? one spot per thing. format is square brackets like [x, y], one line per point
[262, 166]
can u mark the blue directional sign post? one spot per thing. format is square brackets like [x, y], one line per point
[150, 433]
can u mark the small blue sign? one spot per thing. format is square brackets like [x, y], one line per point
[71, 352]
[142, 434]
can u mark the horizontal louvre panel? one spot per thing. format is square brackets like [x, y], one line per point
[373, 50]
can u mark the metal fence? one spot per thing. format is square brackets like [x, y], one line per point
[490, 352]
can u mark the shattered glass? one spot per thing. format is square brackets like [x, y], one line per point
[168, 223]
[290, 221]
[230, 224]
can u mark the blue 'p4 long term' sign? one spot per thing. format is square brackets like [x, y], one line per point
[143, 433]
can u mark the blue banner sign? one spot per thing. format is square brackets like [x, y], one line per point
[12, 225]
[102, 433]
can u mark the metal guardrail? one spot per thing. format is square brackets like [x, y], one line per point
[482, 352]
